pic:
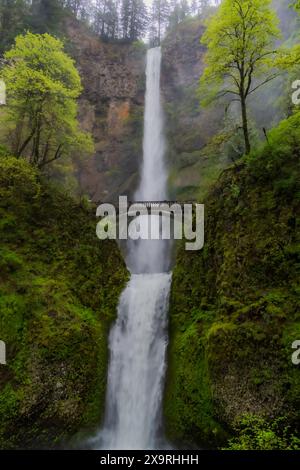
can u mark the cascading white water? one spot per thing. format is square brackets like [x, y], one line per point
[137, 366]
[138, 340]
[154, 175]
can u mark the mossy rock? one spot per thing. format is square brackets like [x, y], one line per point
[235, 305]
[59, 289]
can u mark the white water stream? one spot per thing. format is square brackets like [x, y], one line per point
[138, 340]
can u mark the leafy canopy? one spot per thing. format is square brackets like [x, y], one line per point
[291, 59]
[42, 88]
[297, 5]
[240, 40]
[256, 433]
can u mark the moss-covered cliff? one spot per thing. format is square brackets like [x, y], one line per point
[111, 109]
[235, 305]
[59, 288]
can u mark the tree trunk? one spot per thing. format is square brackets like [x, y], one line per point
[245, 126]
[24, 145]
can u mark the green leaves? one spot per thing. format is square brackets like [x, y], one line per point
[41, 58]
[17, 181]
[240, 41]
[288, 59]
[42, 88]
[256, 433]
[297, 5]
[54, 317]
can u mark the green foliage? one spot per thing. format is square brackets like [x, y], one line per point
[39, 16]
[12, 15]
[297, 5]
[195, 161]
[255, 433]
[188, 405]
[283, 141]
[42, 87]
[235, 305]
[18, 183]
[59, 289]
[289, 59]
[240, 39]
[241, 33]
[46, 16]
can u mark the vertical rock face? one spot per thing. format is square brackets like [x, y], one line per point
[111, 108]
[234, 305]
[182, 58]
[59, 292]
[189, 127]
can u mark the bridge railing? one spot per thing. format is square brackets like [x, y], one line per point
[148, 204]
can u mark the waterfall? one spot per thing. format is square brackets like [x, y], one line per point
[138, 340]
[154, 175]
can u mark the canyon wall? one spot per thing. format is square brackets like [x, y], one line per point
[189, 127]
[111, 108]
[234, 311]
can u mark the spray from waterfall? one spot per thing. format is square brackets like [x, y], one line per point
[138, 340]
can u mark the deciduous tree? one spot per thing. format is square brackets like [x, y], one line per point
[42, 88]
[240, 39]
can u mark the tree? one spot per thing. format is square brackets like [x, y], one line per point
[134, 19]
[297, 5]
[159, 18]
[42, 87]
[195, 8]
[106, 18]
[179, 10]
[200, 7]
[12, 20]
[184, 9]
[46, 16]
[77, 7]
[240, 40]
[204, 5]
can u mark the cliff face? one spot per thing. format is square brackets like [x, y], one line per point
[59, 289]
[189, 127]
[182, 58]
[111, 108]
[235, 305]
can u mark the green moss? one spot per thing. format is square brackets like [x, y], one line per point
[188, 406]
[59, 289]
[255, 433]
[235, 304]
